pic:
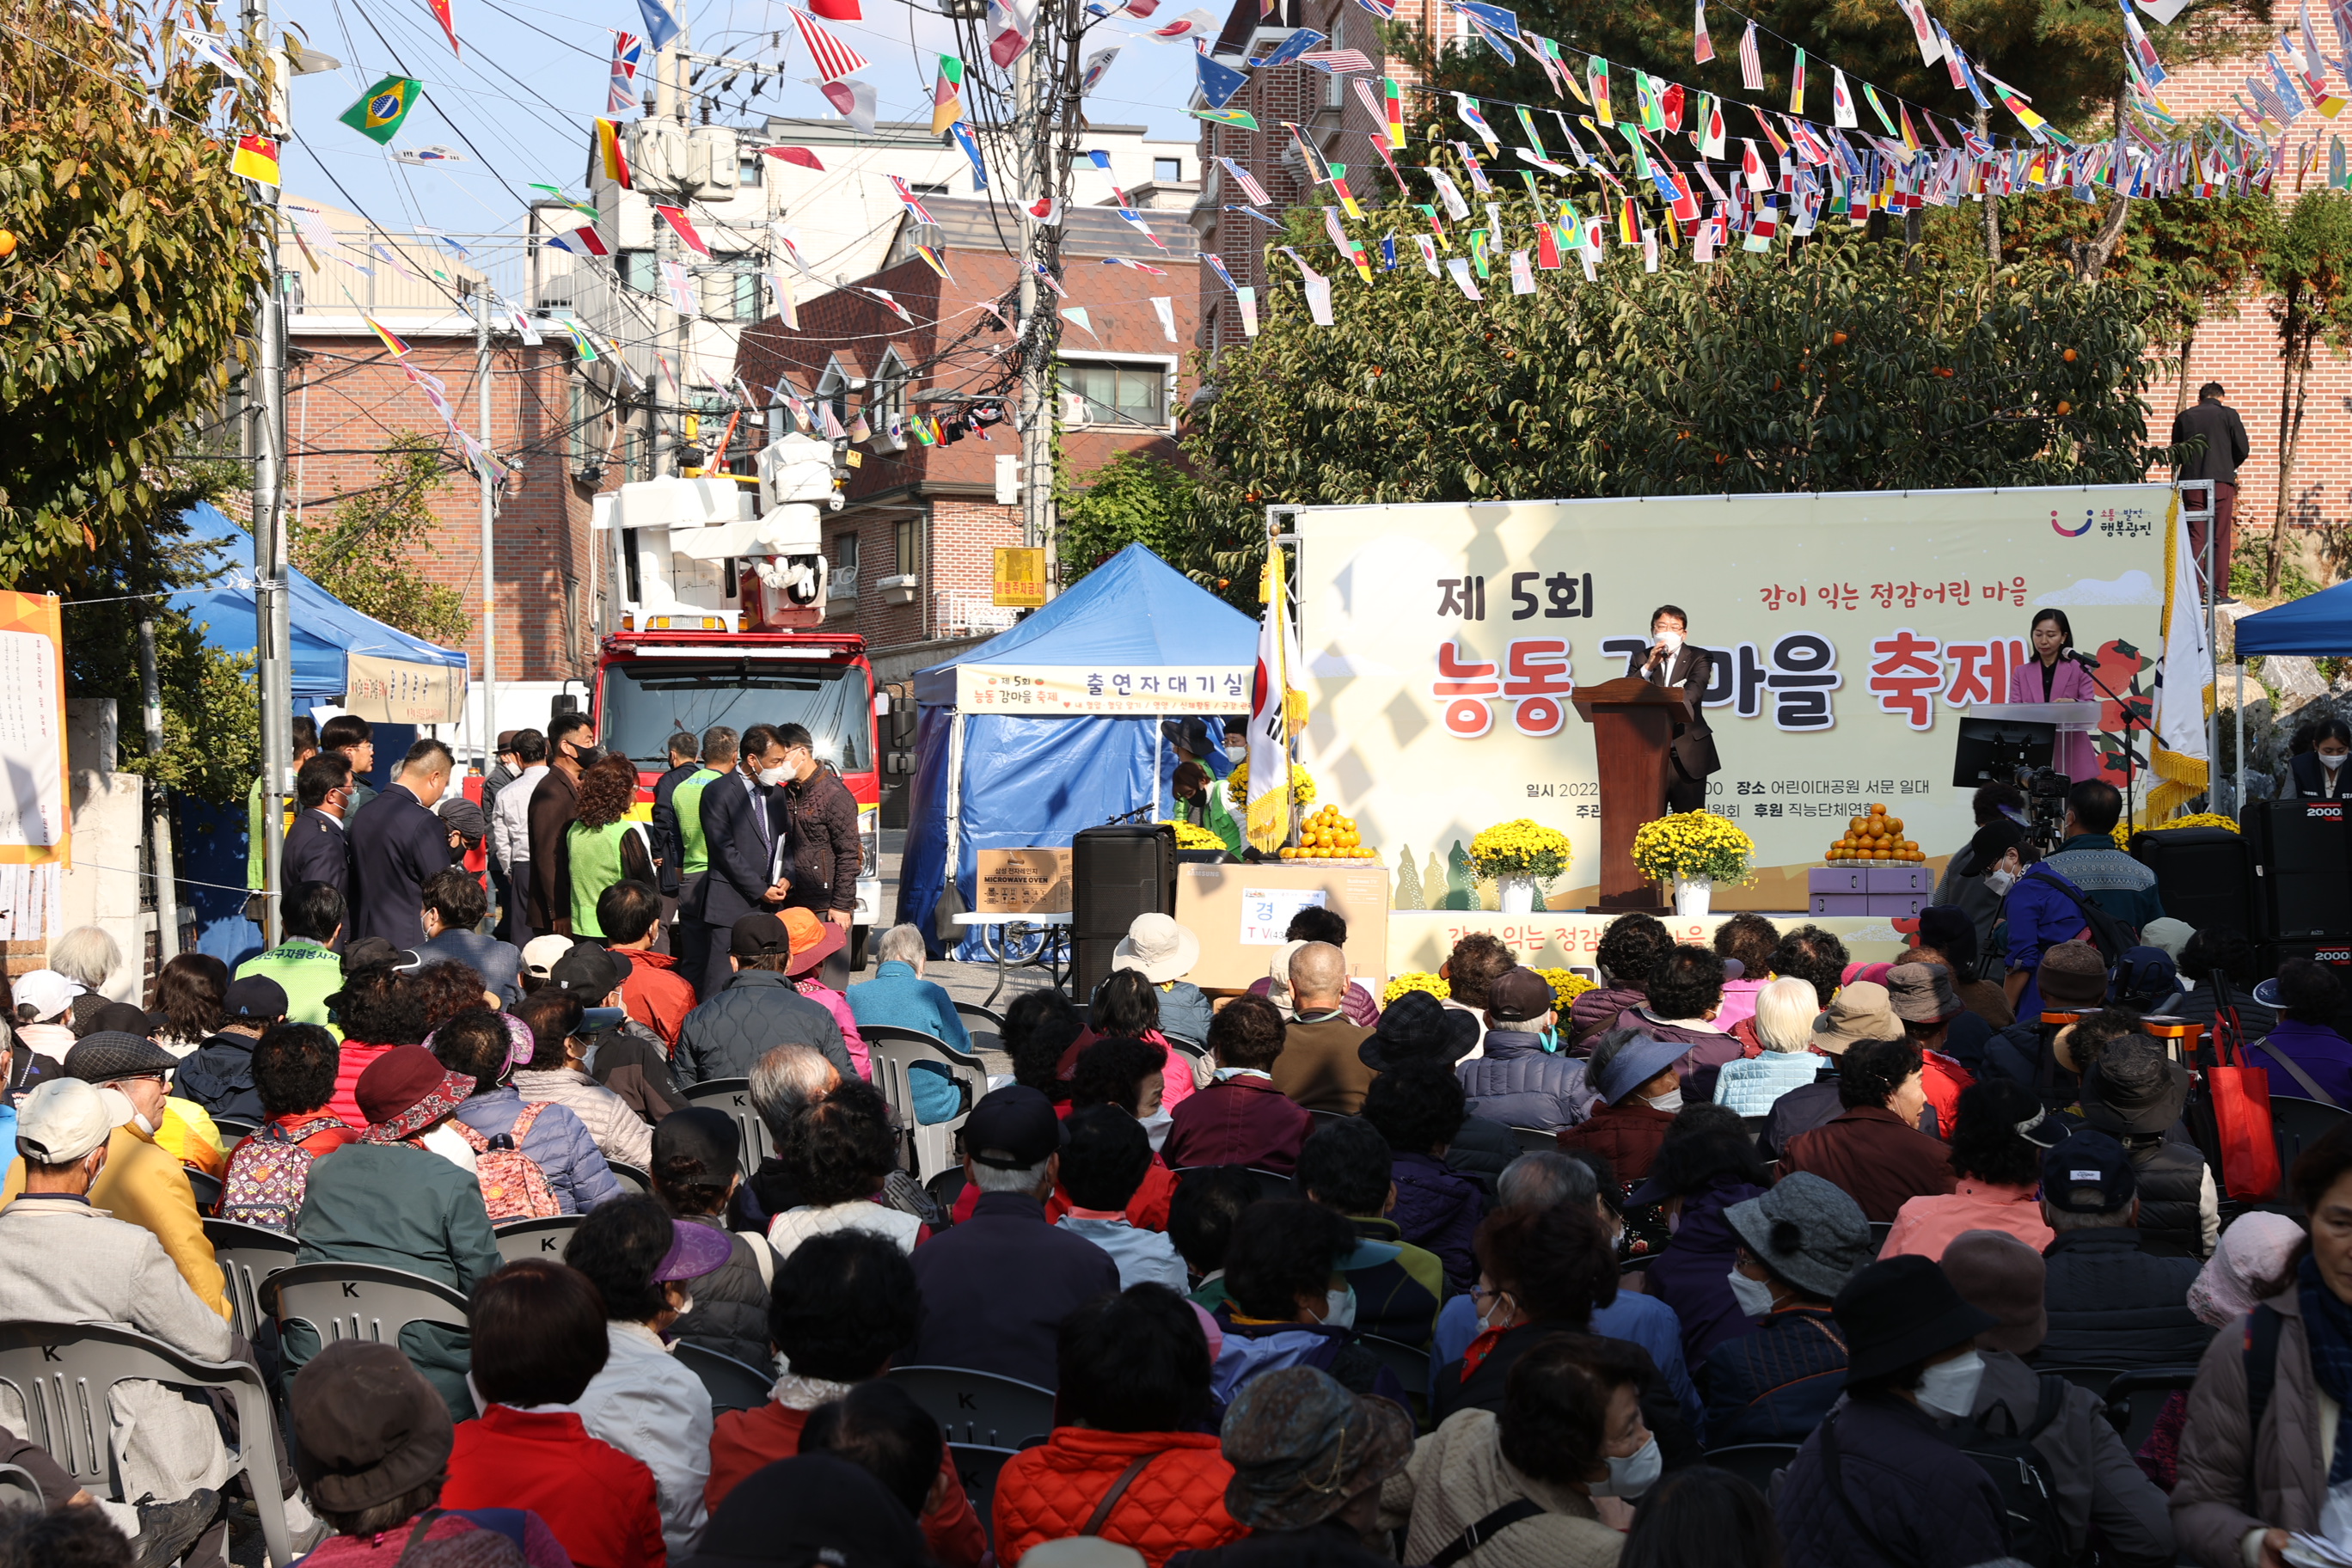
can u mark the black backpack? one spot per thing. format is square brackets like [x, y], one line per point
[2021, 1474]
[2016, 1468]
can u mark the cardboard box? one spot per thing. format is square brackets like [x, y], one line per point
[1897, 879]
[1214, 902]
[1836, 879]
[1023, 882]
[1841, 904]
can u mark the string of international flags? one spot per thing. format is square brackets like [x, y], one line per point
[1820, 170]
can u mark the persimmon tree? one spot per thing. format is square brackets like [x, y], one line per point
[2308, 270]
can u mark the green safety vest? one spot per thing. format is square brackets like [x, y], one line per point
[685, 800]
[595, 866]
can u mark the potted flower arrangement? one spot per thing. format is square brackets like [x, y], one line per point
[1517, 855]
[1302, 795]
[1415, 980]
[1693, 850]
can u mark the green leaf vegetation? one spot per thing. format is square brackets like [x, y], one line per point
[363, 553]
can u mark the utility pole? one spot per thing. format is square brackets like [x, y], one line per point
[490, 508]
[1039, 175]
[273, 631]
[670, 325]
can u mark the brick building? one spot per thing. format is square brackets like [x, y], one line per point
[2240, 351]
[912, 552]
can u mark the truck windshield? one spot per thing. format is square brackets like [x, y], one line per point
[647, 700]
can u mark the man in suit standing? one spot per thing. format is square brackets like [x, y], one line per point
[1671, 661]
[317, 849]
[743, 819]
[397, 841]
[2217, 425]
[554, 801]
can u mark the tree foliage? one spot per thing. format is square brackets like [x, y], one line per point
[2307, 269]
[135, 262]
[361, 553]
[1823, 368]
[2196, 255]
[1139, 499]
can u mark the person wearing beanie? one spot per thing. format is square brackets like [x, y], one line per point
[2135, 1093]
[1996, 1153]
[1877, 1484]
[405, 1197]
[1798, 1244]
[1309, 1460]
[371, 1442]
[2111, 1301]
[2254, 1252]
[2094, 1482]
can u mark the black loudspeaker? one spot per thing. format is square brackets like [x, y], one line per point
[2302, 869]
[2203, 876]
[1116, 874]
[2335, 955]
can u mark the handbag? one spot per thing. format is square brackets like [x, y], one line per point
[2239, 1097]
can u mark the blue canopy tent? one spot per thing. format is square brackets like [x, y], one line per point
[2318, 625]
[1054, 725]
[342, 657]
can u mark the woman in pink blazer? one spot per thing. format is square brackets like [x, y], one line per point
[2046, 677]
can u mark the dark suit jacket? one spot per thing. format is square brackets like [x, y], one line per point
[396, 843]
[741, 857]
[553, 804]
[2310, 780]
[670, 843]
[317, 850]
[2224, 435]
[1693, 743]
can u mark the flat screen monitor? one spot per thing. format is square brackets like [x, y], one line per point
[1992, 751]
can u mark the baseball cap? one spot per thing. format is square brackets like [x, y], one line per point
[1013, 1129]
[2088, 1160]
[758, 935]
[539, 953]
[589, 972]
[62, 1119]
[375, 951]
[46, 992]
[1519, 994]
[255, 996]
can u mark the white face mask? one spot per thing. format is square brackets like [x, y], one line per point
[2332, 762]
[774, 776]
[1754, 1296]
[1670, 1100]
[1951, 1388]
[1340, 1309]
[1632, 1475]
[2000, 881]
[1670, 641]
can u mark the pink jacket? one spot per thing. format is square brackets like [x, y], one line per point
[838, 1005]
[2074, 755]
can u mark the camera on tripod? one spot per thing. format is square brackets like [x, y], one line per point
[2016, 752]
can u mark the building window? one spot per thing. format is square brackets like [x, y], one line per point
[587, 425]
[936, 188]
[886, 398]
[832, 390]
[746, 170]
[1167, 169]
[910, 541]
[640, 269]
[1115, 394]
[845, 565]
[729, 288]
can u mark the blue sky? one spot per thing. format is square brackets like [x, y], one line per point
[532, 76]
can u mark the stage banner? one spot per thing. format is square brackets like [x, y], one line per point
[1848, 634]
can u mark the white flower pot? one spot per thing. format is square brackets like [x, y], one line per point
[1517, 895]
[1692, 895]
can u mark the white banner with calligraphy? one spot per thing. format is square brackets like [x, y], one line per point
[1848, 634]
[400, 691]
[1045, 691]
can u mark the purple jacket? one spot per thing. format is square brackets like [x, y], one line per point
[1594, 1013]
[2318, 1050]
[1439, 1210]
[1691, 1274]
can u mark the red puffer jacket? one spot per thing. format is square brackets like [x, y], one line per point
[1177, 1501]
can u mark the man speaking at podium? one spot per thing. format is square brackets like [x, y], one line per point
[1672, 662]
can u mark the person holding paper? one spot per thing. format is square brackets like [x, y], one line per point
[1672, 662]
[2056, 673]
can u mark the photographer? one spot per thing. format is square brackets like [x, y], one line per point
[2045, 905]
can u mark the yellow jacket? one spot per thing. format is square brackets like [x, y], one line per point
[144, 1186]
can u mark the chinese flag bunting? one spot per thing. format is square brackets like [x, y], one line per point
[677, 219]
[448, 24]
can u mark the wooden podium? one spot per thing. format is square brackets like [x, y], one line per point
[1633, 726]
